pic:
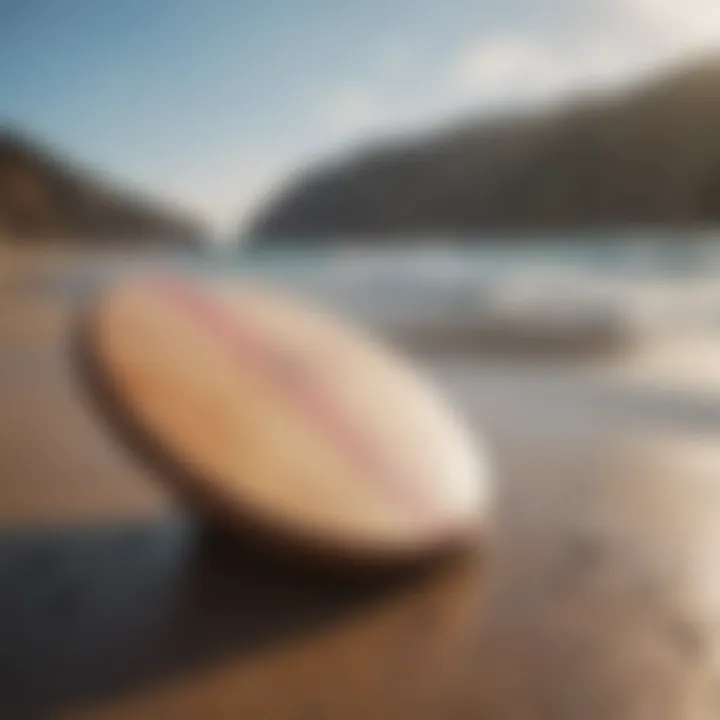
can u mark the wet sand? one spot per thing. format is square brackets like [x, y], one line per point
[596, 596]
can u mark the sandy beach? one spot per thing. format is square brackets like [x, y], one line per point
[601, 591]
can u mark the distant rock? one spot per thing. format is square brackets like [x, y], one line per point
[46, 198]
[646, 156]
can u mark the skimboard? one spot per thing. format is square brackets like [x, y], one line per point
[281, 422]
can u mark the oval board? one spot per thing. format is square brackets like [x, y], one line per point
[274, 417]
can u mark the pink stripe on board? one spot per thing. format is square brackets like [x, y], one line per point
[246, 344]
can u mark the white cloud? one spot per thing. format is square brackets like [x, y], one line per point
[352, 110]
[679, 25]
[505, 68]
[638, 37]
[510, 70]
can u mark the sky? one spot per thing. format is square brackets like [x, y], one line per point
[217, 103]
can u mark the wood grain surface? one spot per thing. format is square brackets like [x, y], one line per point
[598, 598]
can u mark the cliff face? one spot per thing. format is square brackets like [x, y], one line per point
[647, 156]
[44, 198]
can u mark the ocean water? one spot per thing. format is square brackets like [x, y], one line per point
[445, 282]
[457, 266]
[436, 281]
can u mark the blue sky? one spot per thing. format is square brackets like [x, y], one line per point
[213, 102]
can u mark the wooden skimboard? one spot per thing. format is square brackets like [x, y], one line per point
[276, 419]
